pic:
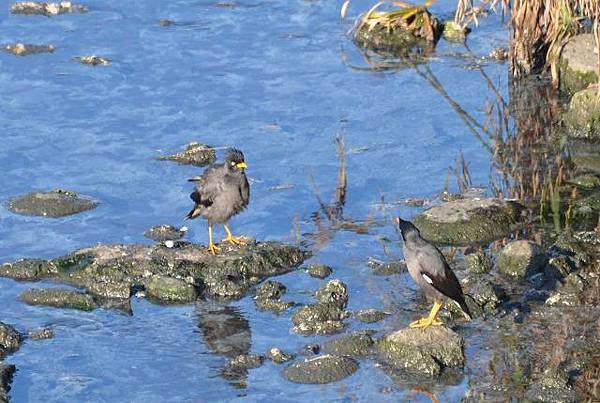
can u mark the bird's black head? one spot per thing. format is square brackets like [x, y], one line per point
[235, 160]
[407, 229]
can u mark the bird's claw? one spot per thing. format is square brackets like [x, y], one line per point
[234, 240]
[425, 323]
[212, 248]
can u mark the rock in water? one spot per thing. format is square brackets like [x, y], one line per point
[422, 353]
[466, 221]
[59, 298]
[165, 232]
[268, 297]
[324, 317]
[356, 345]
[169, 289]
[55, 203]
[521, 259]
[194, 154]
[578, 67]
[10, 340]
[319, 370]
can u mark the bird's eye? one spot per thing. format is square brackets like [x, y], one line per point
[232, 163]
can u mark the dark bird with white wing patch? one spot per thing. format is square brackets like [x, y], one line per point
[428, 267]
[221, 192]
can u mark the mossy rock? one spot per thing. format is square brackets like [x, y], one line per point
[59, 298]
[6, 374]
[582, 120]
[370, 315]
[319, 319]
[578, 64]
[55, 203]
[268, 297]
[553, 386]
[422, 353]
[169, 289]
[521, 258]
[466, 221]
[453, 32]
[320, 370]
[356, 345]
[196, 154]
[10, 339]
[47, 8]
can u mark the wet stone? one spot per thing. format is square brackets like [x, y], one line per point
[478, 262]
[499, 54]
[55, 203]
[47, 9]
[553, 387]
[582, 120]
[59, 298]
[422, 353]
[559, 267]
[41, 334]
[320, 370]
[238, 367]
[28, 269]
[169, 289]
[334, 292]
[586, 181]
[319, 319]
[564, 297]
[578, 65]
[10, 340]
[93, 60]
[454, 32]
[521, 259]
[165, 232]
[370, 315]
[482, 297]
[268, 297]
[356, 345]
[196, 154]
[25, 49]
[466, 222]
[387, 268]
[319, 271]
[278, 356]
[6, 374]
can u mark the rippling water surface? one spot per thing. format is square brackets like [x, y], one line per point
[274, 78]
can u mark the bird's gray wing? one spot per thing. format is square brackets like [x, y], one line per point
[209, 185]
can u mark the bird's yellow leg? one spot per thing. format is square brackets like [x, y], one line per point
[212, 248]
[430, 320]
[232, 239]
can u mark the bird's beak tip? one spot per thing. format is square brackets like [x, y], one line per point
[242, 165]
[398, 220]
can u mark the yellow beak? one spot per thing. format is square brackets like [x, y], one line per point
[241, 165]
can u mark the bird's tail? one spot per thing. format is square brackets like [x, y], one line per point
[463, 306]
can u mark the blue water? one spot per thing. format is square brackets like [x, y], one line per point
[268, 77]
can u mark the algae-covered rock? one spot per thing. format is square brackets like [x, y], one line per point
[194, 154]
[47, 9]
[466, 221]
[6, 374]
[334, 292]
[25, 49]
[165, 232]
[582, 120]
[481, 296]
[422, 353]
[454, 32]
[553, 387]
[41, 334]
[370, 315]
[357, 344]
[584, 153]
[10, 339]
[387, 268]
[319, 271]
[319, 319]
[59, 298]
[586, 181]
[55, 203]
[169, 289]
[278, 356]
[111, 271]
[478, 262]
[268, 297]
[578, 66]
[521, 259]
[93, 60]
[320, 370]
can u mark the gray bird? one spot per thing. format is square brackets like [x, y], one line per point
[428, 267]
[221, 192]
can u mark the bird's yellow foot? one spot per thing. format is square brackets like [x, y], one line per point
[212, 248]
[234, 240]
[425, 323]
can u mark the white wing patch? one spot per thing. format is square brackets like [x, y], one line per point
[427, 278]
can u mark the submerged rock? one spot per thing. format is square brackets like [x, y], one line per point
[319, 319]
[194, 154]
[320, 370]
[169, 289]
[466, 221]
[55, 203]
[10, 340]
[41, 334]
[25, 49]
[60, 298]
[93, 60]
[585, 154]
[578, 66]
[268, 297]
[321, 271]
[521, 259]
[237, 369]
[370, 315]
[385, 269]
[113, 270]
[47, 9]
[356, 345]
[422, 353]
[165, 232]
